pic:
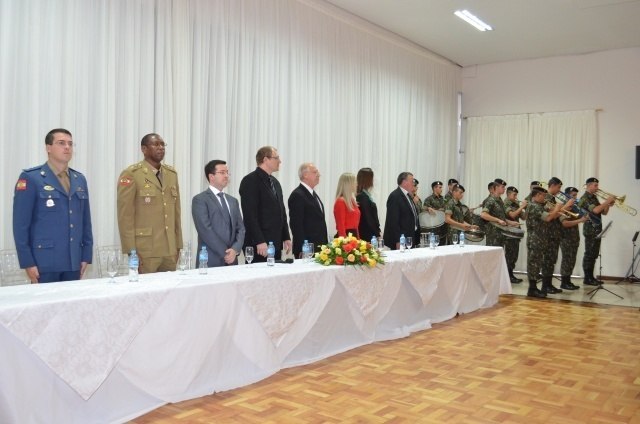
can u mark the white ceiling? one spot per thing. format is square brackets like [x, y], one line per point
[523, 29]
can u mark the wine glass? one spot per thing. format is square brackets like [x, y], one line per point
[408, 242]
[248, 254]
[113, 263]
[182, 261]
[311, 253]
[436, 240]
[454, 238]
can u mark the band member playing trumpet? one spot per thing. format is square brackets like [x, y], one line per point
[569, 244]
[450, 184]
[454, 213]
[591, 229]
[493, 210]
[537, 241]
[516, 211]
[554, 235]
[531, 186]
[436, 202]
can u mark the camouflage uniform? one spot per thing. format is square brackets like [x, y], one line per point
[455, 209]
[590, 231]
[536, 240]
[511, 245]
[438, 203]
[569, 247]
[494, 206]
[554, 234]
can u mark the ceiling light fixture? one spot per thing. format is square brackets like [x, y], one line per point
[472, 19]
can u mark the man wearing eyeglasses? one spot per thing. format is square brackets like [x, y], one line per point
[51, 216]
[265, 218]
[149, 209]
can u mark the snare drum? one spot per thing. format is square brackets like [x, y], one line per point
[508, 231]
[429, 221]
[475, 236]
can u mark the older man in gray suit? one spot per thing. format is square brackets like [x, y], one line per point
[217, 217]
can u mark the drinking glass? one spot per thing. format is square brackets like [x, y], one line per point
[408, 242]
[424, 240]
[112, 265]
[454, 238]
[311, 253]
[380, 244]
[248, 254]
[437, 240]
[182, 261]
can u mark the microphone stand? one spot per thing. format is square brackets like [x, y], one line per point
[599, 287]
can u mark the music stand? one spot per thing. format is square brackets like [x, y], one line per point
[594, 291]
[631, 277]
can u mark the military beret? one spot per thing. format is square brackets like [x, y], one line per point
[512, 189]
[500, 181]
[555, 181]
[535, 183]
[592, 180]
[570, 190]
[452, 181]
[415, 182]
[436, 183]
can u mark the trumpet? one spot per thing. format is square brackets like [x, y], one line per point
[619, 201]
[580, 212]
[549, 206]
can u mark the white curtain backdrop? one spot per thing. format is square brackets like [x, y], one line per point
[218, 79]
[527, 147]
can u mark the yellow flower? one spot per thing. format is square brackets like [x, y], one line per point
[338, 251]
[323, 256]
[351, 258]
[336, 242]
[372, 263]
[327, 262]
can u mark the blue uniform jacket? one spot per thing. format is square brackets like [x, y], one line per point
[52, 229]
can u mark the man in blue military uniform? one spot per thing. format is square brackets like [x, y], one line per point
[51, 216]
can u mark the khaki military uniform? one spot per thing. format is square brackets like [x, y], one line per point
[149, 215]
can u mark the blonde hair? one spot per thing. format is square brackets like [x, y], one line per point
[347, 190]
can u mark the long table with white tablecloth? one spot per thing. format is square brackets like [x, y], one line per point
[92, 351]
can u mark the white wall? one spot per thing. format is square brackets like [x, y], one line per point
[605, 80]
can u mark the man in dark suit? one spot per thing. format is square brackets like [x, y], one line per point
[306, 211]
[217, 218]
[265, 217]
[51, 216]
[402, 214]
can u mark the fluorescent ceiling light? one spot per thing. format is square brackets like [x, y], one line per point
[471, 19]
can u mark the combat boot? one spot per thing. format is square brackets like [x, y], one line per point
[589, 279]
[513, 278]
[548, 287]
[533, 290]
[567, 284]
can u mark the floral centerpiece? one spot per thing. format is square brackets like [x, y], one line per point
[348, 250]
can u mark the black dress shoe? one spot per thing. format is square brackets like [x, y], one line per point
[591, 283]
[536, 293]
[519, 279]
[575, 287]
[515, 280]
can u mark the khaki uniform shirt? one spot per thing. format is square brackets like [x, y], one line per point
[148, 211]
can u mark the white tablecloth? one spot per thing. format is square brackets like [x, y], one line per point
[91, 351]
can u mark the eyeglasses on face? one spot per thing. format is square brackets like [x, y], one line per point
[157, 144]
[62, 143]
[222, 172]
[274, 157]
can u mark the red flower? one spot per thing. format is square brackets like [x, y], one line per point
[347, 247]
[363, 259]
[339, 260]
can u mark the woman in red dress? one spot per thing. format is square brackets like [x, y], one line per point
[345, 209]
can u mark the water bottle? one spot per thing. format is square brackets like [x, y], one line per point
[374, 243]
[461, 238]
[271, 254]
[403, 242]
[133, 266]
[203, 259]
[305, 250]
[432, 240]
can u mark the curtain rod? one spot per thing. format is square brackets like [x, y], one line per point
[534, 113]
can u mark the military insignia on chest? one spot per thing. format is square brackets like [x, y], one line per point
[125, 181]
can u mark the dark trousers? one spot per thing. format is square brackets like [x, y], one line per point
[54, 277]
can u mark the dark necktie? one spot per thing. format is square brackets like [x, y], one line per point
[413, 209]
[273, 187]
[225, 207]
[159, 175]
[318, 200]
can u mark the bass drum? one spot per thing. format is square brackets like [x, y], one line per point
[475, 236]
[429, 221]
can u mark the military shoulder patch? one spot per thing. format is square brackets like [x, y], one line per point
[21, 184]
[125, 181]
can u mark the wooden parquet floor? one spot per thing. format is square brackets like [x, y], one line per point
[523, 361]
